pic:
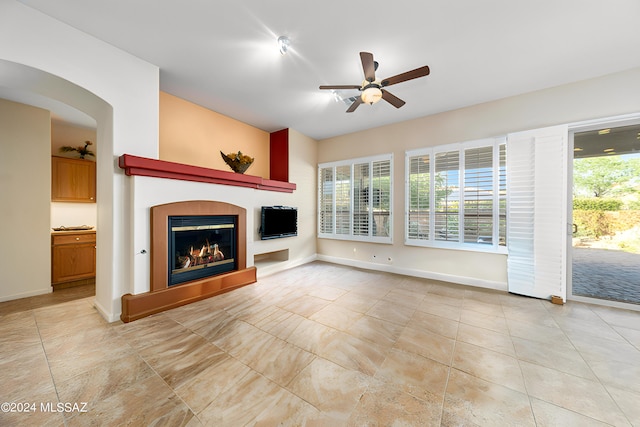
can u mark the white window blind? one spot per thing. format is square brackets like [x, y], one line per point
[361, 191]
[500, 211]
[381, 198]
[326, 201]
[418, 197]
[361, 196]
[456, 196]
[478, 194]
[537, 222]
[447, 186]
[343, 200]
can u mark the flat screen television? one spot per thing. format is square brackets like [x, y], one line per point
[278, 221]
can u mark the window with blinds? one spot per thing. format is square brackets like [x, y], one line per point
[381, 198]
[478, 195]
[325, 202]
[447, 190]
[418, 197]
[354, 199]
[502, 195]
[343, 200]
[456, 196]
[361, 191]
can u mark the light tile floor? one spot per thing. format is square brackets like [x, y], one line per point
[326, 345]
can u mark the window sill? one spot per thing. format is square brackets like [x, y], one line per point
[383, 240]
[454, 246]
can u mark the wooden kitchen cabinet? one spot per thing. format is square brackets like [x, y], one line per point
[73, 180]
[73, 256]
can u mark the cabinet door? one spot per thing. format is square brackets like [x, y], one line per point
[73, 180]
[73, 262]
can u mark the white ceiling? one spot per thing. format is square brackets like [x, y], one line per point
[223, 54]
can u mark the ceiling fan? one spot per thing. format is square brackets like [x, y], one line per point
[372, 89]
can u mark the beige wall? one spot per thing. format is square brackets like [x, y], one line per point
[25, 192]
[63, 133]
[194, 135]
[607, 96]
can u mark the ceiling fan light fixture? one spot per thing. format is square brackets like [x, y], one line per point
[283, 44]
[371, 94]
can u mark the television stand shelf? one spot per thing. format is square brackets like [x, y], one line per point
[266, 260]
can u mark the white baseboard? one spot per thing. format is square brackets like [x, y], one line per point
[109, 317]
[26, 294]
[462, 280]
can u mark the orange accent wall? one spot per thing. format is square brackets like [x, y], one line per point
[194, 135]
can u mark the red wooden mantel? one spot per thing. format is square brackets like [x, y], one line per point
[143, 166]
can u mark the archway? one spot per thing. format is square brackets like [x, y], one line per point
[27, 85]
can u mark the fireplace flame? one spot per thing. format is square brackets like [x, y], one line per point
[206, 254]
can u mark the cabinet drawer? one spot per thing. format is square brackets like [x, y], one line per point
[74, 239]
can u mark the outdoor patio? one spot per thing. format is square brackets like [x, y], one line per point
[606, 274]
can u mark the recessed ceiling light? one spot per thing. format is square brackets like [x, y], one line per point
[612, 152]
[608, 150]
[577, 149]
[283, 44]
[604, 131]
[336, 96]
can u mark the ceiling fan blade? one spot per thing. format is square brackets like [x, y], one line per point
[392, 99]
[368, 65]
[339, 87]
[355, 105]
[409, 75]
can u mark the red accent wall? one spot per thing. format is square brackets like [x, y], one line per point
[279, 155]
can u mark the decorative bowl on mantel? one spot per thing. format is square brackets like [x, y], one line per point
[238, 162]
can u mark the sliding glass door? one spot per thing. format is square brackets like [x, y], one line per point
[605, 245]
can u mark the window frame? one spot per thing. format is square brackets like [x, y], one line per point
[459, 243]
[352, 163]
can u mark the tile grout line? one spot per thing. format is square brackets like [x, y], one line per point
[46, 357]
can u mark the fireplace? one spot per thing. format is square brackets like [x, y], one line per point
[198, 250]
[200, 246]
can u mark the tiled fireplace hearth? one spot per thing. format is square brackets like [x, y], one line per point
[214, 260]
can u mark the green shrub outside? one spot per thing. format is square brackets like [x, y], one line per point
[596, 204]
[592, 223]
[624, 220]
[633, 205]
